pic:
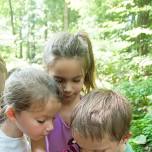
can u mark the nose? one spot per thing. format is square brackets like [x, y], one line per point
[67, 87]
[49, 126]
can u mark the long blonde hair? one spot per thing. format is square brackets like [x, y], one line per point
[69, 45]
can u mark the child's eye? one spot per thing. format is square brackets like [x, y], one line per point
[77, 80]
[58, 80]
[41, 121]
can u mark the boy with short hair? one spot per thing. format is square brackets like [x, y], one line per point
[101, 122]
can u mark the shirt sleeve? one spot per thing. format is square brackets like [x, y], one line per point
[128, 148]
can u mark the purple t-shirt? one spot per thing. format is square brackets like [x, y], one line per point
[57, 139]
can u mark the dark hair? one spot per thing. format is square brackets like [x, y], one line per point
[72, 46]
[28, 86]
[100, 113]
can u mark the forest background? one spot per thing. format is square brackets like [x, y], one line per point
[121, 33]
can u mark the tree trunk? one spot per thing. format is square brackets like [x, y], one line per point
[12, 22]
[143, 20]
[32, 34]
[21, 47]
[46, 26]
[28, 41]
[12, 17]
[66, 20]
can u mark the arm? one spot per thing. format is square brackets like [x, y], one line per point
[38, 146]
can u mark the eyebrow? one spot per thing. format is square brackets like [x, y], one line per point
[60, 77]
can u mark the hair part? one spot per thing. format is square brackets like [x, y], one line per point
[26, 87]
[66, 45]
[102, 113]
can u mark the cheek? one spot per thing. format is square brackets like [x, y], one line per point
[33, 131]
[78, 87]
[29, 126]
[81, 83]
[26, 126]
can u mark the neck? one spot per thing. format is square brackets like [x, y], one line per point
[122, 148]
[67, 109]
[11, 130]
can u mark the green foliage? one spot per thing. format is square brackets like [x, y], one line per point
[132, 75]
[138, 90]
[121, 32]
[142, 136]
[6, 51]
[138, 93]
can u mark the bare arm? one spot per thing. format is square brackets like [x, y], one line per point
[38, 146]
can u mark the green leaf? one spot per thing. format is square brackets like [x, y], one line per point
[140, 140]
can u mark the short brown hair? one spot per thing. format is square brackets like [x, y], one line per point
[100, 113]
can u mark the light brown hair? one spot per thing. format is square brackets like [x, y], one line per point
[100, 113]
[26, 87]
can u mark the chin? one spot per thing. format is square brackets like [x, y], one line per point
[37, 138]
[68, 99]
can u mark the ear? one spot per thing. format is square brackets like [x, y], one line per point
[10, 113]
[126, 137]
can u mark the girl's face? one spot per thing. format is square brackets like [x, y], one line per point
[37, 122]
[69, 74]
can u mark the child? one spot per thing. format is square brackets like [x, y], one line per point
[30, 102]
[69, 59]
[101, 123]
[3, 74]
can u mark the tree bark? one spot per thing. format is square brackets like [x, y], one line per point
[143, 20]
[66, 19]
[12, 17]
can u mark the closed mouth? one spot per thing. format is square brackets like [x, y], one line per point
[68, 96]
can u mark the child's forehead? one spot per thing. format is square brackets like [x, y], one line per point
[66, 67]
[36, 107]
[48, 111]
[95, 144]
[45, 104]
[60, 61]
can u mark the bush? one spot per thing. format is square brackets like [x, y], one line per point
[139, 93]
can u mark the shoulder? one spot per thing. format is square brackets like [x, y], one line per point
[128, 148]
[15, 144]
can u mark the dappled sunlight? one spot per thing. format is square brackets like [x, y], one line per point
[121, 35]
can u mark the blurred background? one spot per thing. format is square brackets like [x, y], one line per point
[121, 34]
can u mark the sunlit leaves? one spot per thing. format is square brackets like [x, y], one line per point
[137, 31]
